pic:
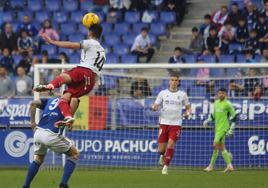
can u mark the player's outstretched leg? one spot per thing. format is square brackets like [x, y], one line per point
[228, 160]
[33, 169]
[213, 159]
[73, 155]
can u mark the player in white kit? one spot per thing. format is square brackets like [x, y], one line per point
[81, 79]
[170, 120]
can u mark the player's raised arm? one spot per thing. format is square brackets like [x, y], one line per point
[62, 44]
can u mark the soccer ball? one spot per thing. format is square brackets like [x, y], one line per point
[90, 19]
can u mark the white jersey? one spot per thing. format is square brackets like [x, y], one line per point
[92, 55]
[172, 104]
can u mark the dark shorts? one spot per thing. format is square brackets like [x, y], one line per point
[83, 81]
[167, 132]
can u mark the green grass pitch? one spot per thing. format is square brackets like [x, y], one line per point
[139, 179]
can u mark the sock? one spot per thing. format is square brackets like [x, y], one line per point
[68, 170]
[32, 171]
[168, 156]
[214, 157]
[65, 108]
[226, 157]
[57, 82]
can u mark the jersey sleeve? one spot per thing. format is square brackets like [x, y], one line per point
[85, 44]
[231, 110]
[159, 98]
[185, 100]
[43, 103]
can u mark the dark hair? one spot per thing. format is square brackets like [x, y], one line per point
[47, 20]
[213, 28]
[23, 30]
[222, 90]
[253, 30]
[194, 29]
[234, 4]
[207, 16]
[44, 52]
[96, 29]
[174, 74]
[177, 49]
[241, 19]
[262, 16]
[65, 56]
[145, 29]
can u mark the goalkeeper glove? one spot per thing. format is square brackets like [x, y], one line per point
[230, 132]
[205, 123]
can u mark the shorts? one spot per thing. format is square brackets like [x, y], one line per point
[83, 81]
[219, 137]
[167, 132]
[45, 139]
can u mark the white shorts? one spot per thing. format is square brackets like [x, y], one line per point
[45, 139]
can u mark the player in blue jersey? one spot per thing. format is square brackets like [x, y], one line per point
[47, 136]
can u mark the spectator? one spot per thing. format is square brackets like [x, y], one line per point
[47, 30]
[140, 88]
[7, 61]
[242, 31]
[25, 62]
[157, 4]
[113, 16]
[235, 89]
[28, 26]
[249, 56]
[265, 11]
[261, 27]
[25, 42]
[220, 16]
[23, 83]
[213, 42]
[121, 5]
[257, 92]
[250, 14]
[234, 15]
[251, 82]
[63, 58]
[205, 27]
[8, 39]
[177, 6]
[6, 89]
[177, 57]
[264, 56]
[142, 46]
[253, 43]
[227, 35]
[202, 73]
[197, 42]
[140, 5]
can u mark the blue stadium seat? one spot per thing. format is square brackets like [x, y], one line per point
[50, 49]
[209, 58]
[258, 58]
[240, 58]
[86, 5]
[190, 58]
[120, 49]
[121, 28]
[15, 26]
[77, 16]
[101, 16]
[235, 48]
[132, 17]
[110, 82]
[231, 72]
[129, 39]
[168, 17]
[112, 58]
[107, 28]
[34, 5]
[155, 15]
[7, 16]
[60, 16]
[21, 14]
[198, 91]
[16, 59]
[107, 48]
[82, 29]
[215, 72]
[76, 37]
[111, 39]
[226, 59]
[40, 16]
[158, 29]
[136, 28]
[53, 5]
[129, 59]
[70, 5]
[153, 39]
[74, 58]
[68, 28]
[66, 50]
[17, 4]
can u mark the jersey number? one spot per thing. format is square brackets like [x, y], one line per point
[99, 61]
[53, 104]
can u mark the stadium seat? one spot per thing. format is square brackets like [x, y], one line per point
[235, 48]
[129, 59]
[77, 16]
[74, 58]
[53, 5]
[82, 29]
[111, 39]
[21, 14]
[240, 58]
[34, 5]
[198, 91]
[215, 72]
[190, 58]
[209, 58]
[60, 17]
[154, 14]
[129, 39]
[120, 49]
[231, 72]
[153, 39]
[40, 16]
[168, 17]
[136, 28]
[158, 29]
[15, 26]
[7, 16]
[17, 4]
[16, 59]
[121, 28]
[86, 5]
[107, 48]
[76, 37]
[110, 82]
[112, 58]
[107, 28]
[132, 17]
[66, 50]
[101, 16]
[70, 5]
[68, 28]
[226, 59]
[50, 49]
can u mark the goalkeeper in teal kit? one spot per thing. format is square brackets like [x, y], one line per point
[223, 110]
